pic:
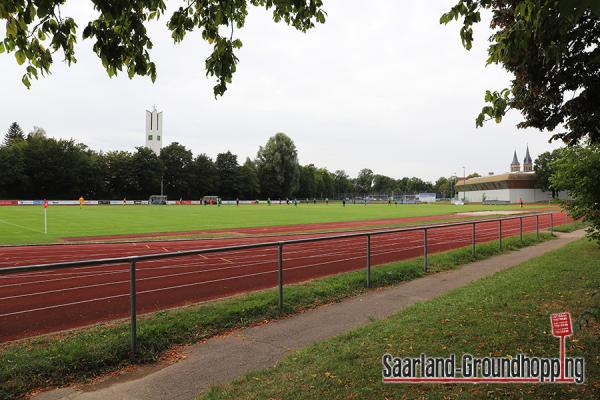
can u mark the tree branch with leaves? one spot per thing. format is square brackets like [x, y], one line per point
[36, 31]
[552, 49]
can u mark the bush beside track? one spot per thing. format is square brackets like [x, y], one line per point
[83, 354]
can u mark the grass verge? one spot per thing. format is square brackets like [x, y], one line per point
[573, 226]
[83, 354]
[500, 315]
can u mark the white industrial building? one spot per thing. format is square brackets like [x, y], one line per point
[509, 187]
[154, 125]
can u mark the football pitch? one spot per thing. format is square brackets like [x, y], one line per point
[25, 224]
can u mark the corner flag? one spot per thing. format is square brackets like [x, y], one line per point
[45, 217]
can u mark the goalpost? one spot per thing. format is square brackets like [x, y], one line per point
[210, 200]
[157, 199]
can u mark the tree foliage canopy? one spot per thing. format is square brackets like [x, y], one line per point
[552, 50]
[278, 167]
[14, 134]
[36, 166]
[576, 169]
[228, 174]
[544, 168]
[37, 29]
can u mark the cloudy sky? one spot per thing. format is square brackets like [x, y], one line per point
[381, 85]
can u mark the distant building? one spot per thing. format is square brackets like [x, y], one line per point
[508, 187]
[154, 125]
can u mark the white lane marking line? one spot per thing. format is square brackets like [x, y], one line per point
[188, 285]
[20, 226]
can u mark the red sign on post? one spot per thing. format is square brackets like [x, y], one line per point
[561, 324]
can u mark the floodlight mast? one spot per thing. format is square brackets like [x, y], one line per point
[453, 185]
[464, 183]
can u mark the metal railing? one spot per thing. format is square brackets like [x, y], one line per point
[134, 260]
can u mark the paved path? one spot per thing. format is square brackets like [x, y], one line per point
[222, 359]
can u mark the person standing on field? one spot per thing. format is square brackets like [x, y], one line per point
[80, 202]
[343, 202]
[521, 201]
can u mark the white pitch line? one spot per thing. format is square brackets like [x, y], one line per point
[20, 226]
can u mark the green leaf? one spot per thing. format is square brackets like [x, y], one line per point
[1, 47]
[26, 82]
[42, 12]
[595, 7]
[11, 28]
[321, 17]
[20, 56]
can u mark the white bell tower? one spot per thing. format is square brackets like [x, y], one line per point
[154, 124]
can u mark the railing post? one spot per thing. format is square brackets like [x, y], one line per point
[473, 239]
[500, 234]
[368, 261]
[280, 274]
[133, 312]
[521, 226]
[552, 223]
[537, 226]
[425, 261]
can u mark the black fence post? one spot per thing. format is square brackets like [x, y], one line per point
[566, 217]
[133, 313]
[425, 261]
[280, 274]
[537, 226]
[368, 261]
[473, 239]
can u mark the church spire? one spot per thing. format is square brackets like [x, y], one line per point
[515, 166]
[527, 162]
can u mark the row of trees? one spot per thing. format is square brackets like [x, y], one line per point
[35, 166]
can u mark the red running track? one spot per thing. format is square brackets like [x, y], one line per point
[49, 301]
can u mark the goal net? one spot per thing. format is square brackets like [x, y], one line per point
[157, 199]
[210, 200]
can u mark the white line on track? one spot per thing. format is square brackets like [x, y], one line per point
[378, 245]
[360, 255]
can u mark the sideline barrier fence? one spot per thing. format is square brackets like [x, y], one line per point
[133, 261]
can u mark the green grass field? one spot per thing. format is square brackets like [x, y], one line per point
[25, 224]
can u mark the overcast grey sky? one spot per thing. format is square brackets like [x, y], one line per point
[381, 85]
